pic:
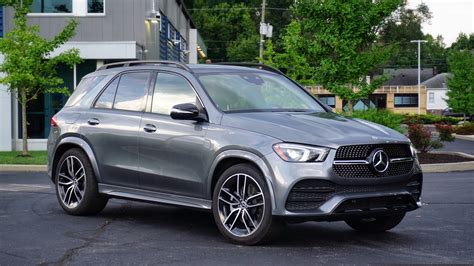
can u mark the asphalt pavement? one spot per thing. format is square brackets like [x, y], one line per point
[460, 145]
[34, 230]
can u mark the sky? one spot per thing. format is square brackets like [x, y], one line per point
[450, 17]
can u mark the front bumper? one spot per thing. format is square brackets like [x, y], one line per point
[313, 191]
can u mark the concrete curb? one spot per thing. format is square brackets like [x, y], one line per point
[23, 168]
[447, 167]
[458, 153]
[464, 137]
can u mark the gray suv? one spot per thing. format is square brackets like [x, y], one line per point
[243, 141]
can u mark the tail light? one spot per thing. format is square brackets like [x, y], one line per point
[54, 122]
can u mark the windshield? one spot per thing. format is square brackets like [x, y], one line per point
[257, 92]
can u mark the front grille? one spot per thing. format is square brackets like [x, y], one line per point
[364, 171]
[361, 152]
[312, 193]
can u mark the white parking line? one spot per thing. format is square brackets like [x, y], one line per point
[24, 187]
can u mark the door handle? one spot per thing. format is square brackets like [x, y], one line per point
[149, 128]
[93, 121]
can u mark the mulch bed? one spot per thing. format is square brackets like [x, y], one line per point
[431, 158]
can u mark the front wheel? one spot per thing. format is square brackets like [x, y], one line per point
[376, 224]
[241, 205]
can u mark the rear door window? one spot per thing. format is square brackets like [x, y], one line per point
[132, 91]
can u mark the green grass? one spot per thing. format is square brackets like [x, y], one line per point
[11, 157]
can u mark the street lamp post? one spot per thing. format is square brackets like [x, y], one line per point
[262, 40]
[419, 71]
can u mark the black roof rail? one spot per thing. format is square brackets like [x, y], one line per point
[253, 65]
[146, 62]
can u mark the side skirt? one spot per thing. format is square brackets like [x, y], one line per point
[152, 196]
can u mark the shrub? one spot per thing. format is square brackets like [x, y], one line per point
[421, 138]
[465, 129]
[429, 119]
[383, 117]
[445, 132]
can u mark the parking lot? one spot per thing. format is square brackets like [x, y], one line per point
[34, 230]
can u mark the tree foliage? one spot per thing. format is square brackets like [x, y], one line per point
[29, 67]
[229, 31]
[463, 42]
[405, 25]
[460, 86]
[334, 44]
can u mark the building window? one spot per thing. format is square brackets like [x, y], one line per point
[95, 6]
[431, 97]
[51, 6]
[406, 100]
[329, 100]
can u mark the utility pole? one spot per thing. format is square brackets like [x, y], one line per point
[262, 40]
[419, 71]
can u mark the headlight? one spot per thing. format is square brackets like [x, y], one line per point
[300, 153]
[413, 151]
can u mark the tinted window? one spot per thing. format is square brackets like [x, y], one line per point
[171, 90]
[329, 100]
[132, 91]
[95, 6]
[84, 86]
[106, 100]
[51, 6]
[406, 100]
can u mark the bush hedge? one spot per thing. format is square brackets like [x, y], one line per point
[428, 119]
[383, 117]
[465, 129]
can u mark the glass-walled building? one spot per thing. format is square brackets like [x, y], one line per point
[108, 31]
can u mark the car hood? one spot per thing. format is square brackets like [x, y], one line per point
[322, 129]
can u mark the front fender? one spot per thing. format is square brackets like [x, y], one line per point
[241, 154]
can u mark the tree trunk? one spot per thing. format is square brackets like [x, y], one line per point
[24, 124]
[464, 117]
[350, 106]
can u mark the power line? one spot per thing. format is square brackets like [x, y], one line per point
[236, 8]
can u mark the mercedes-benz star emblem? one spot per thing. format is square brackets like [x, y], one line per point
[380, 161]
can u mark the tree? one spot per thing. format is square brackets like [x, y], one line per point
[29, 67]
[229, 31]
[463, 42]
[404, 25]
[460, 86]
[337, 40]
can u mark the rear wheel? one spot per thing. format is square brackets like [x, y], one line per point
[242, 206]
[376, 224]
[76, 185]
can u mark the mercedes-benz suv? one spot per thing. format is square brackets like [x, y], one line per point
[245, 142]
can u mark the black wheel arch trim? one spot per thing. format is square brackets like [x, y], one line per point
[248, 156]
[80, 142]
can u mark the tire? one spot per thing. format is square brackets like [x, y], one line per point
[243, 220]
[377, 224]
[76, 186]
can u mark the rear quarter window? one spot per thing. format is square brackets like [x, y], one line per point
[86, 85]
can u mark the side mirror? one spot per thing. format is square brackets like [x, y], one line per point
[186, 111]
